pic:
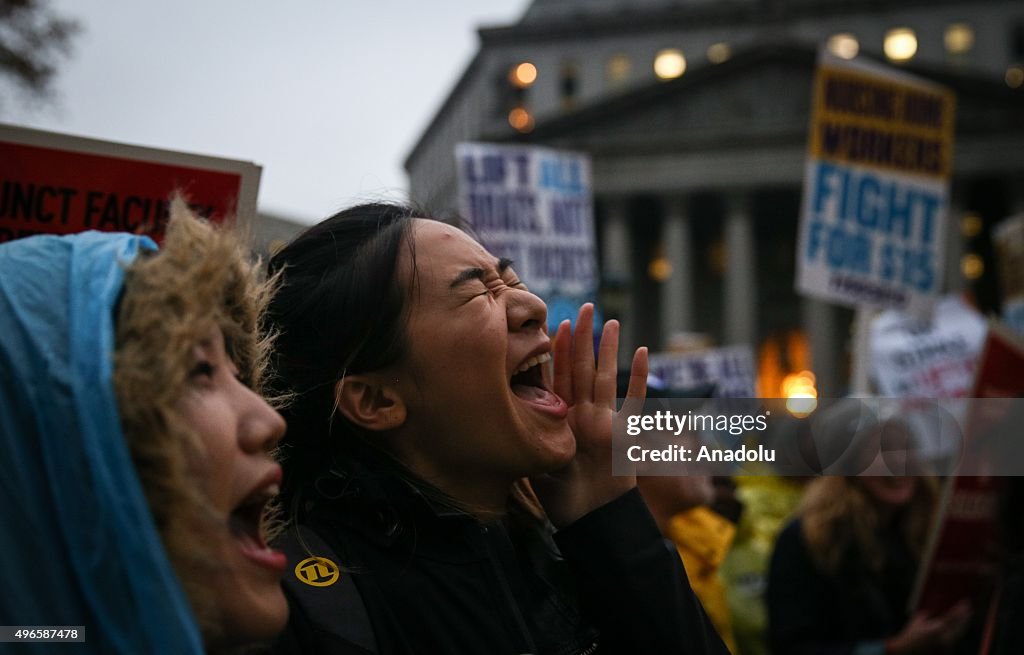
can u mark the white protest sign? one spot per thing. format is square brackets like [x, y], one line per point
[911, 357]
[533, 205]
[730, 369]
[876, 187]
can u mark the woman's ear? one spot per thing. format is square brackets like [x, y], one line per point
[370, 402]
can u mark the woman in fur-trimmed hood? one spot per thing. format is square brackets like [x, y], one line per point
[134, 451]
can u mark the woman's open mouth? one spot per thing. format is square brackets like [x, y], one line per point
[531, 384]
[244, 523]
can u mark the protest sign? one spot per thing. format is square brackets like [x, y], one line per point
[876, 187]
[1008, 239]
[961, 556]
[59, 184]
[730, 369]
[533, 205]
[914, 357]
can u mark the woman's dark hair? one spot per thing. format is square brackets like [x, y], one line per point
[339, 310]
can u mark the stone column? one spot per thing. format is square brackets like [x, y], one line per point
[741, 273]
[819, 323]
[954, 279]
[617, 269]
[677, 309]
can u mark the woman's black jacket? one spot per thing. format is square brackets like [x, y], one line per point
[417, 577]
[849, 612]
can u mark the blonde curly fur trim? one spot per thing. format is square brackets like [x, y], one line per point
[200, 278]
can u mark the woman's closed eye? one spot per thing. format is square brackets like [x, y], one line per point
[508, 274]
[511, 284]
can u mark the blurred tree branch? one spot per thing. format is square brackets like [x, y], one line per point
[33, 41]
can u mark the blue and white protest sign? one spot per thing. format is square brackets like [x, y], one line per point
[876, 187]
[730, 369]
[533, 205]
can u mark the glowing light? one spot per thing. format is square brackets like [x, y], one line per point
[801, 382]
[970, 225]
[972, 266]
[900, 44]
[844, 45]
[521, 119]
[801, 393]
[523, 75]
[618, 68]
[778, 356]
[959, 38]
[1015, 76]
[801, 406]
[669, 64]
[719, 52]
[660, 269]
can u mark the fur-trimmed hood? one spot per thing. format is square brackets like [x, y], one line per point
[201, 279]
[78, 546]
[96, 331]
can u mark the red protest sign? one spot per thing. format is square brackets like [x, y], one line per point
[963, 551]
[59, 184]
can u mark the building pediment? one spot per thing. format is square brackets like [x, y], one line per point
[760, 96]
[763, 95]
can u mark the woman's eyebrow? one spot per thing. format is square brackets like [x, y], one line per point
[478, 273]
[467, 275]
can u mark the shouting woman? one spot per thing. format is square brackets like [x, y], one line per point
[459, 488]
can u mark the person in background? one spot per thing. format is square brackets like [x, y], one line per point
[683, 507]
[842, 572]
[134, 452]
[768, 503]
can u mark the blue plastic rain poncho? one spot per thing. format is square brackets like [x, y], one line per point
[77, 545]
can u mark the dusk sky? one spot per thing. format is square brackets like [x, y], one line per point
[327, 96]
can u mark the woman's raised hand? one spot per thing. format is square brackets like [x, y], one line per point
[586, 482]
